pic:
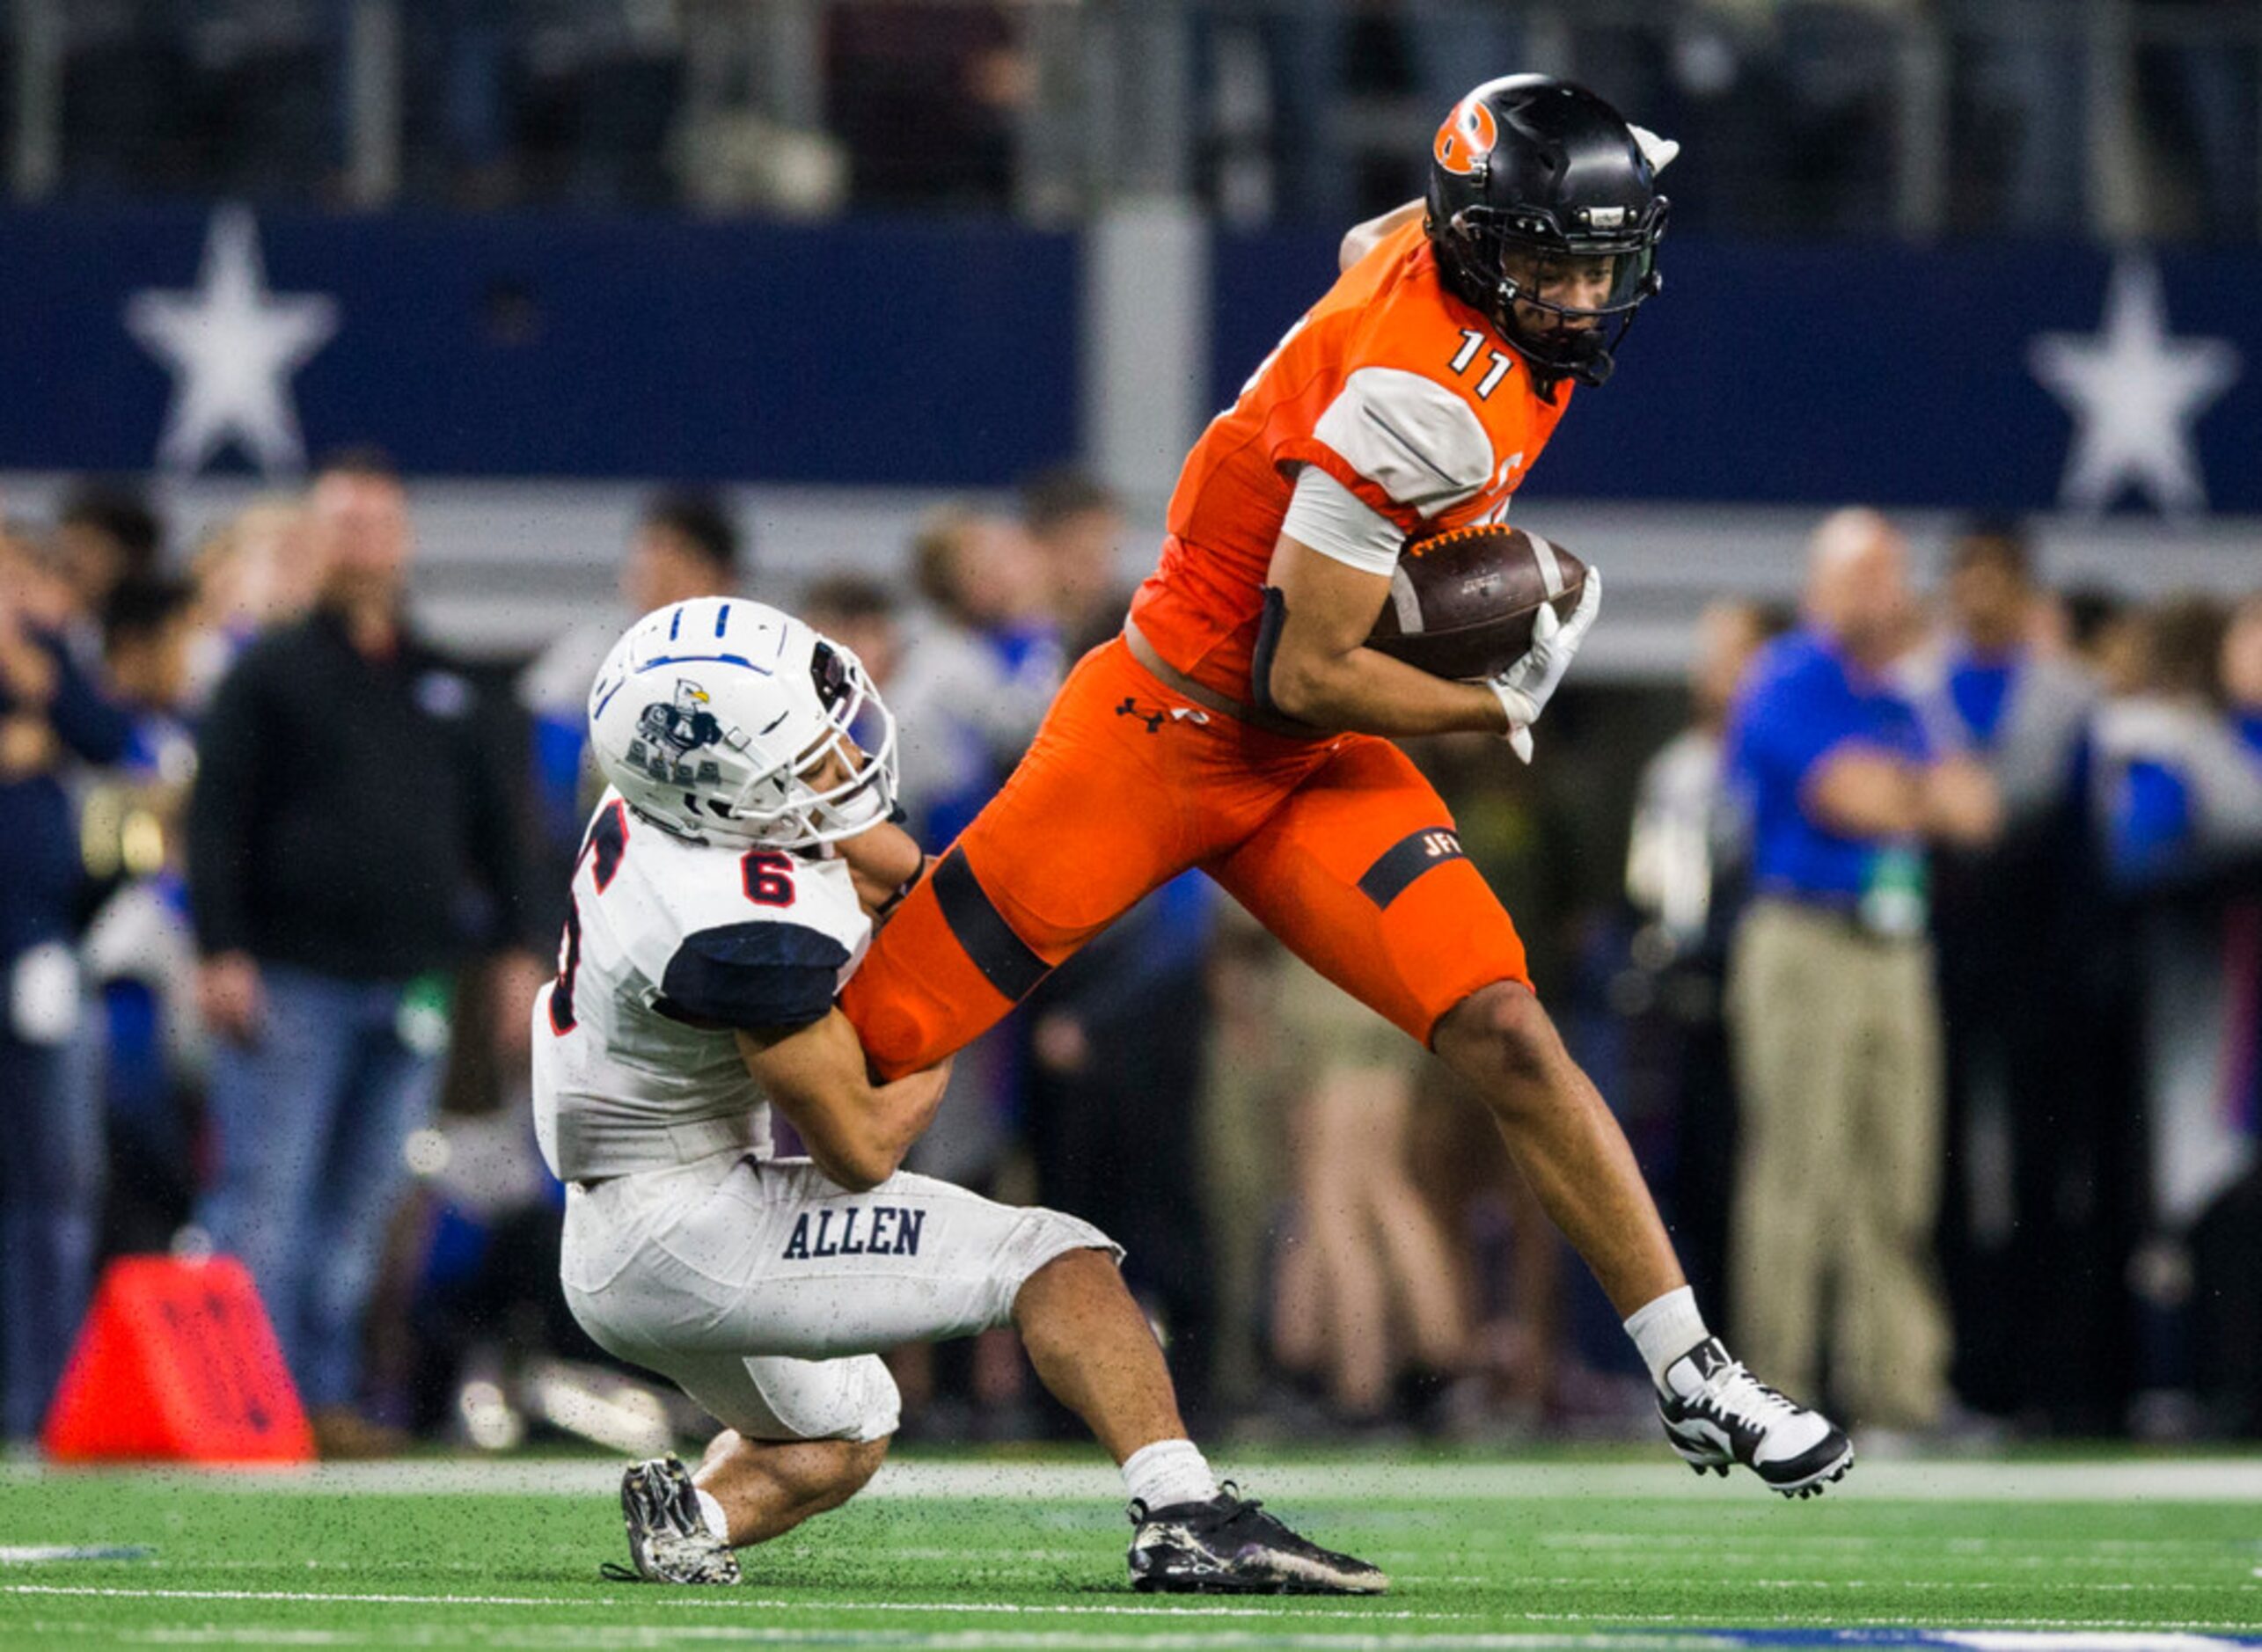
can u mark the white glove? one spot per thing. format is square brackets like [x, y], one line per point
[1525, 687]
[1659, 151]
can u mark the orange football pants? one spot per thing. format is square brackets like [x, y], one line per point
[1339, 846]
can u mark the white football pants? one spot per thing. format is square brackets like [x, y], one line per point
[767, 1291]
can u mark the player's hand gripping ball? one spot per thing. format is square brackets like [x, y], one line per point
[1462, 603]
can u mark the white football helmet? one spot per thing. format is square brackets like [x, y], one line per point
[716, 719]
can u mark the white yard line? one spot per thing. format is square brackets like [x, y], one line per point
[1282, 1612]
[1963, 1480]
[735, 1601]
[627, 1635]
[1074, 1641]
[2123, 1551]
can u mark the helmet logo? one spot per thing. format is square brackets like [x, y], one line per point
[1467, 138]
[686, 724]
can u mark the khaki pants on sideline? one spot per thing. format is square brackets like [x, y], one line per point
[1838, 1067]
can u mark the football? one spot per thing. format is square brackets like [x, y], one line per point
[1461, 602]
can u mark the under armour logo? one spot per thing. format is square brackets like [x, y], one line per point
[1154, 716]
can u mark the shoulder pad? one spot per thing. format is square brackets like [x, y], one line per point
[756, 975]
[1421, 444]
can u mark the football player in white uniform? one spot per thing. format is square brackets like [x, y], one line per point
[715, 912]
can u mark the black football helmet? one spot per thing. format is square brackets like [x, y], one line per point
[1530, 177]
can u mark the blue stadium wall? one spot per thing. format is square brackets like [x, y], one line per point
[946, 353]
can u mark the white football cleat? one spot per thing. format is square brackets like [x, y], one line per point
[1717, 1413]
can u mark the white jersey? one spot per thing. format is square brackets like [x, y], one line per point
[668, 946]
[761, 1288]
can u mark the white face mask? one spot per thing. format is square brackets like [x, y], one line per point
[863, 798]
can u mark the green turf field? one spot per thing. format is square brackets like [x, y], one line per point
[1605, 1551]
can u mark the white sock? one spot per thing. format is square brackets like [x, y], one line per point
[1666, 1329]
[711, 1511]
[1169, 1472]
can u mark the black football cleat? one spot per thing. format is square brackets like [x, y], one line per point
[1229, 1545]
[1717, 1413]
[668, 1537]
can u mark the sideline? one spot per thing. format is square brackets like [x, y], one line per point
[2225, 1479]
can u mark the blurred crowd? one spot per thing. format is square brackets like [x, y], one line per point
[1797, 116]
[1931, 999]
[1946, 980]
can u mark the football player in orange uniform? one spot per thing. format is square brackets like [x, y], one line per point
[1236, 725]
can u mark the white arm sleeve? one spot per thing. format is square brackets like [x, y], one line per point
[1418, 442]
[1336, 523]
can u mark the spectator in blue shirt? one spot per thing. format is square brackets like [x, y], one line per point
[1836, 1029]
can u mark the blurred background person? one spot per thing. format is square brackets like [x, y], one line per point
[981, 659]
[1077, 525]
[1834, 1017]
[1367, 1301]
[2022, 97]
[935, 97]
[257, 569]
[138, 1047]
[2177, 790]
[263, 117]
[1543, 1340]
[53, 719]
[106, 534]
[2198, 96]
[1688, 870]
[1110, 1111]
[686, 545]
[351, 835]
[1109, 1105]
[968, 675]
[862, 614]
[2228, 1244]
[2029, 1139]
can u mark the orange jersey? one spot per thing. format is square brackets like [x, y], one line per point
[1392, 386]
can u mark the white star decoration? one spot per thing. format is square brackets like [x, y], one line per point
[2134, 394]
[231, 347]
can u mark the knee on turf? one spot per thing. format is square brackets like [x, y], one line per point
[860, 1460]
[847, 1467]
[813, 1475]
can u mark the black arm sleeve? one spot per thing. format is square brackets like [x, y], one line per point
[758, 976]
[1267, 639]
[222, 808]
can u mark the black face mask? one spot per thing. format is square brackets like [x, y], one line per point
[1479, 245]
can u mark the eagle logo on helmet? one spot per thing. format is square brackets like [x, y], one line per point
[1468, 136]
[686, 724]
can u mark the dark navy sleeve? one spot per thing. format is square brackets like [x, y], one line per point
[753, 975]
[81, 717]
